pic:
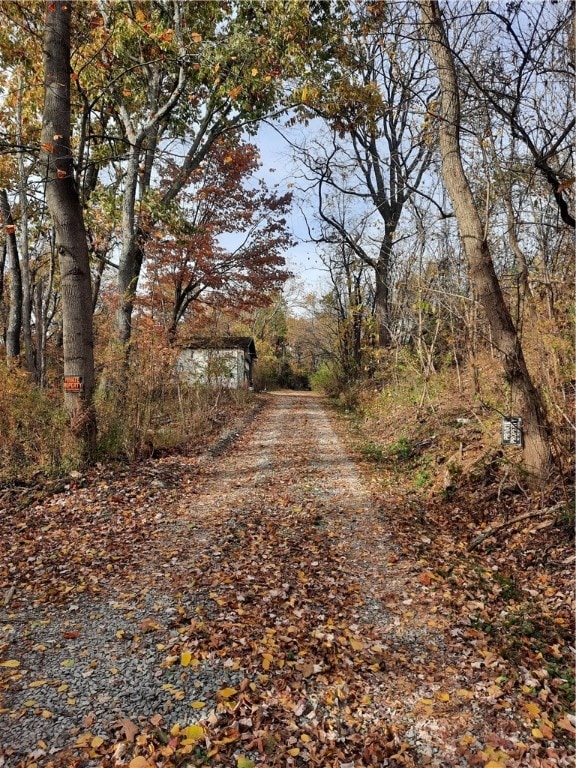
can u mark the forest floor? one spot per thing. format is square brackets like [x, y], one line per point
[275, 602]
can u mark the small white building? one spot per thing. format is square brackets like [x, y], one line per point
[225, 361]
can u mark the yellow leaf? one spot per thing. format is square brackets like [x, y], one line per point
[494, 764]
[37, 683]
[11, 663]
[305, 738]
[465, 694]
[537, 733]
[532, 709]
[194, 732]
[357, 645]
[244, 762]
[254, 72]
[294, 751]
[442, 696]
[46, 714]
[426, 701]
[185, 658]
[197, 704]
[97, 741]
[140, 16]
[30, 703]
[226, 693]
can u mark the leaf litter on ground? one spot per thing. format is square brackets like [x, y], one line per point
[266, 607]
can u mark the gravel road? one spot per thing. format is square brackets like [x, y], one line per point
[276, 537]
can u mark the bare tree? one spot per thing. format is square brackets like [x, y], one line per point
[484, 282]
[375, 105]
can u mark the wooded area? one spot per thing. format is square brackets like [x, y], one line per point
[428, 166]
[432, 162]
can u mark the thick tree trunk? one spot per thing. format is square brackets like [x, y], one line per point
[14, 328]
[71, 242]
[537, 453]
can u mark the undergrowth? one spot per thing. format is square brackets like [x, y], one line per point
[142, 409]
[433, 455]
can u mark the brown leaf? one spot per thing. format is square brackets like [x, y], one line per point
[131, 730]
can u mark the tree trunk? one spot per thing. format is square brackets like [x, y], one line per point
[537, 453]
[71, 241]
[29, 351]
[14, 328]
[130, 261]
[382, 292]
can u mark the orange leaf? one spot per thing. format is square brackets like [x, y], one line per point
[139, 762]
[566, 725]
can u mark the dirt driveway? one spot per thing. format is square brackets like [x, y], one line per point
[238, 609]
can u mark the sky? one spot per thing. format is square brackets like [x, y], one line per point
[279, 168]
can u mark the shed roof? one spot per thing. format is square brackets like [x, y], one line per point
[245, 343]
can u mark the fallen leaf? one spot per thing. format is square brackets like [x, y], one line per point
[226, 693]
[442, 696]
[193, 732]
[139, 762]
[131, 730]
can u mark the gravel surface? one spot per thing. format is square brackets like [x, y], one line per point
[174, 554]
